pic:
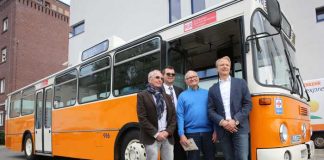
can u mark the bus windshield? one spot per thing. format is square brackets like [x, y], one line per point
[270, 62]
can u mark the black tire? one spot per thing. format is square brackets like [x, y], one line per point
[318, 139]
[29, 147]
[131, 148]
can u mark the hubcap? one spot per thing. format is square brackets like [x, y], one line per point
[135, 151]
[319, 141]
[29, 147]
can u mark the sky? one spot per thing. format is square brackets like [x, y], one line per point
[66, 1]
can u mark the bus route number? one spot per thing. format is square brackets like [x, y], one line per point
[106, 135]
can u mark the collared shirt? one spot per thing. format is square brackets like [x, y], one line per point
[225, 89]
[162, 123]
[167, 91]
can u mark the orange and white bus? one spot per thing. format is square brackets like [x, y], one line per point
[88, 111]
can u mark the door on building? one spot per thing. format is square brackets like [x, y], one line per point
[43, 120]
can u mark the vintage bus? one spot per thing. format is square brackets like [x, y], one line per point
[88, 111]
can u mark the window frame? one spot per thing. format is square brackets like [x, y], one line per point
[104, 69]
[5, 24]
[81, 23]
[193, 4]
[2, 86]
[172, 5]
[4, 50]
[135, 57]
[319, 12]
[65, 82]
[2, 115]
[24, 96]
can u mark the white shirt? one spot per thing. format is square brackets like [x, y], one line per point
[162, 123]
[225, 89]
[167, 91]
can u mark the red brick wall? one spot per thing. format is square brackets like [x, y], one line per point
[37, 43]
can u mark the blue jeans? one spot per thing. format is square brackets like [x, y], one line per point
[235, 146]
[204, 144]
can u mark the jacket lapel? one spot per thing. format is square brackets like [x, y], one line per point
[218, 94]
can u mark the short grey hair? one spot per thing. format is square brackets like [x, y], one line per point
[190, 71]
[223, 58]
[152, 73]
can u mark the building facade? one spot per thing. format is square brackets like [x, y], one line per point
[307, 19]
[33, 43]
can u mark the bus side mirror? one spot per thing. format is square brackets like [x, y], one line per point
[274, 13]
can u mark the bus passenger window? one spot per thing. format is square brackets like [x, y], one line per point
[133, 64]
[94, 81]
[28, 101]
[65, 89]
[15, 104]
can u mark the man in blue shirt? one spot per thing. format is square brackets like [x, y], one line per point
[193, 119]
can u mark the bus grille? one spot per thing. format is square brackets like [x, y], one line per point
[303, 111]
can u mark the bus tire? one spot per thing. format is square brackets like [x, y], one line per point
[318, 139]
[131, 148]
[29, 147]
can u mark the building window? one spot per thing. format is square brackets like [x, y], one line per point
[3, 55]
[320, 14]
[2, 85]
[40, 1]
[197, 5]
[78, 28]
[1, 118]
[5, 25]
[47, 4]
[175, 10]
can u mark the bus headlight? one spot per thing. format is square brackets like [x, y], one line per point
[303, 129]
[283, 132]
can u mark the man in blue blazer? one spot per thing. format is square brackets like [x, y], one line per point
[229, 106]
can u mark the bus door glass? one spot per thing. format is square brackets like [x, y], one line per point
[199, 51]
[43, 122]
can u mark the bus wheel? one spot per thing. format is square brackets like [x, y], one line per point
[29, 147]
[319, 140]
[131, 148]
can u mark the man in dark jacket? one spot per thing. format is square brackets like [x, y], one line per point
[169, 76]
[157, 119]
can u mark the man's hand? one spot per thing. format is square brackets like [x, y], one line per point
[161, 137]
[214, 137]
[184, 141]
[230, 125]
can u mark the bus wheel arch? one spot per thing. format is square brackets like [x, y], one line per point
[127, 145]
[28, 146]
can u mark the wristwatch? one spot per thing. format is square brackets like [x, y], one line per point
[237, 122]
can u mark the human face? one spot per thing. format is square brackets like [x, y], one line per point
[169, 76]
[224, 67]
[192, 79]
[156, 80]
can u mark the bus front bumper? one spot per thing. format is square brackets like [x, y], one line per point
[297, 152]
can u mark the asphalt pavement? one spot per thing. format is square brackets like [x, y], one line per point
[5, 154]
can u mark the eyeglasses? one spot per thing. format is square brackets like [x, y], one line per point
[158, 77]
[170, 74]
[192, 77]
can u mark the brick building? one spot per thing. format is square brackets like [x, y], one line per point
[33, 43]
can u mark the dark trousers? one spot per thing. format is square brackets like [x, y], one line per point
[235, 146]
[205, 145]
[178, 152]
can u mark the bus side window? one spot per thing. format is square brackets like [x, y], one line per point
[65, 89]
[15, 105]
[94, 81]
[133, 64]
